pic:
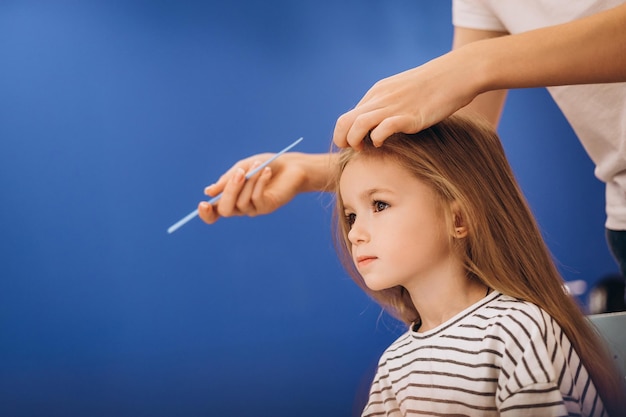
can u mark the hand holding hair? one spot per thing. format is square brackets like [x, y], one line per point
[589, 50]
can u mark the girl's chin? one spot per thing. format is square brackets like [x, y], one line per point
[378, 285]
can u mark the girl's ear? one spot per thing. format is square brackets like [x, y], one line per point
[460, 232]
[460, 228]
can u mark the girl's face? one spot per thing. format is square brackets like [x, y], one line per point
[398, 234]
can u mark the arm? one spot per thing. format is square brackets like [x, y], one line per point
[273, 187]
[489, 105]
[587, 50]
[295, 173]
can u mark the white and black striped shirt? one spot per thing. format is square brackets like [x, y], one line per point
[501, 356]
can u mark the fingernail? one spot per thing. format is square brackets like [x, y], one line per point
[207, 188]
[204, 205]
[254, 166]
[239, 175]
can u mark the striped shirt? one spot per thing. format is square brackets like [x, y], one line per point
[500, 356]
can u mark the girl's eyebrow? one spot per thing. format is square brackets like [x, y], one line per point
[366, 195]
[369, 192]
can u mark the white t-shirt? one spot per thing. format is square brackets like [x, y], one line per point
[597, 112]
[499, 357]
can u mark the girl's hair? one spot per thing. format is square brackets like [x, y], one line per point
[463, 161]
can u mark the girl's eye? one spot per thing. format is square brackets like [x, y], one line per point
[379, 206]
[350, 219]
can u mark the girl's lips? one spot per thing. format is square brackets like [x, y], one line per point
[364, 260]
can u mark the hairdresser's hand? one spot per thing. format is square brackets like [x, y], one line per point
[584, 51]
[269, 189]
[408, 102]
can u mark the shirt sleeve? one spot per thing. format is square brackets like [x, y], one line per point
[541, 373]
[475, 14]
[382, 400]
[528, 381]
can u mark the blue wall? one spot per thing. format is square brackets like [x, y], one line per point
[114, 115]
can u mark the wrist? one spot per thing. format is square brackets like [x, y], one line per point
[482, 65]
[314, 170]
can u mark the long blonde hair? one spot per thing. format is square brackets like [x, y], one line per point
[464, 162]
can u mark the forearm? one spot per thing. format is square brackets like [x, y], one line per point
[488, 105]
[585, 51]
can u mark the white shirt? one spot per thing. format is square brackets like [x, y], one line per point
[499, 357]
[597, 112]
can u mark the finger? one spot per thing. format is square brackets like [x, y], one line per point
[244, 204]
[206, 213]
[362, 125]
[262, 202]
[391, 125]
[212, 190]
[217, 187]
[226, 205]
[342, 126]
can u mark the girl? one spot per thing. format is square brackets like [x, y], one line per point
[434, 227]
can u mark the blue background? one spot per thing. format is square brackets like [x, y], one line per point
[114, 115]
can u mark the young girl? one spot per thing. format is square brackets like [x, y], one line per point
[434, 227]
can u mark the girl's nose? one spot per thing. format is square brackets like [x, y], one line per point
[358, 233]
